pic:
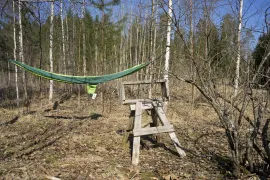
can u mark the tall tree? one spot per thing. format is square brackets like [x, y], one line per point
[51, 49]
[83, 34]
[21, 47]
[167, 53]
[236, 82]
[151, 52]
[168, 42]
[15, 52]
[191, 48]
[63, 37]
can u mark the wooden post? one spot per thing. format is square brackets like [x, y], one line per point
[136, 140]
[172, 135]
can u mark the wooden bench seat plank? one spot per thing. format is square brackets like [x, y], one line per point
[153, 130]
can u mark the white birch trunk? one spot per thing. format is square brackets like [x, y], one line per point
[63, 38]
[236, 82]
[136, 47]
[67, 48]
[130, 37]
[8, 74]
[73, 42]
[96, 55]
[130, 45]
[21, 54]
[167, 53]
[84, 45]
[143, 46]
[168, 42]
[151, 53]
[51, 50]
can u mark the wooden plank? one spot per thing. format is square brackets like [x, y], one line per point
[153, 130]
[133, 101]
[161, 114]
[144, 106]
[143, 82]
[136, 140]
[177, 144]
[172, 135]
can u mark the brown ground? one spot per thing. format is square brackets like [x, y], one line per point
[85, 142]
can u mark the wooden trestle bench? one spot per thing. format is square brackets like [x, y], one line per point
[157, 113]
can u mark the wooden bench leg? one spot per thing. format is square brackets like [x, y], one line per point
[136, 140]
[177, 144]
[136, 150]
[165, 122]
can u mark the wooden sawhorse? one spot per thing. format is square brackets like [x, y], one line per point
[138, 131]
[138, 105]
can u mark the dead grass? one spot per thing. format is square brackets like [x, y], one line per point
[85, 142]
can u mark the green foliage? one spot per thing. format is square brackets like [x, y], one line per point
[261, 49]
[259, 53]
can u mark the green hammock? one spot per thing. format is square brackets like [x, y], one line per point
[93, 80]
[89, 80]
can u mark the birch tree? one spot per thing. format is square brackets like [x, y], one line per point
[167, 53]
[21, 54]
[51, 49]
[168, 42]
[15, 53]
[236, 82]
[151, 52]
[63, 38]
[84, 42]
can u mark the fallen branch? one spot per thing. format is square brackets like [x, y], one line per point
[12, 121]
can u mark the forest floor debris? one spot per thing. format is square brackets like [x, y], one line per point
[83, 142]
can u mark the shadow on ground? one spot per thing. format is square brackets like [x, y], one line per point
[93, 116]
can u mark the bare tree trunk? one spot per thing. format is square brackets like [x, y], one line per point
[96, 55]
[236, 82]
[84, 43]
[67, 48]
[191, 50]
[21, 49]
[130, 34]
[8, 73]
[63, 38]
[51, 50]
[140, 40]
[130, 39]
[15, 54]
[136, 46]
[73, 42]
[154, 41]
[168, 44]
[143, 46]
[40, 46]
[151, 49]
